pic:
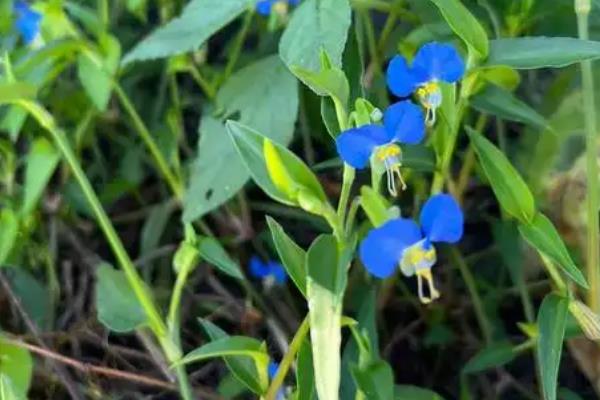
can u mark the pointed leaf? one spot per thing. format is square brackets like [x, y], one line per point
[552, 319]
[41, 163]
[541, 52]
[213, 252]
[199, 20]
[542, 235]
[375, 380]
[510, 189]
[292, 256]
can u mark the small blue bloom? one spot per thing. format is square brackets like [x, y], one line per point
[265, 7]
[433, 63]
[270, 270]
[27, 21]
[403, 122]
[401, 242]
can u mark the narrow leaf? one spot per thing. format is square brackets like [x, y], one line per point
[510, 189]
[541, 52]
[292, 256]
[542, 235]
[552, 319]
[41, 163]
[212, 251]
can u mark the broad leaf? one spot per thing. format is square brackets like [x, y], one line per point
[510, 189]
[315, 26]
[33, 295]
[375, 380]
[199, 20]
[265, 96]
[41, 163]
[292, 256]
[116, 303]
[502, 103]
[552, 319]
[213, 252]
[241, 367]
[465, 25]
[96, 70]
[278, 171]
[16, 367]
[542, 235]
[541, 52]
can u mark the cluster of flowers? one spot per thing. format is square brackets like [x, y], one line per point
[401, 241]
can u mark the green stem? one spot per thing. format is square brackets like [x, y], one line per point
[441, 174]
[348, 179]
[136, 283]
[484, 324]
[159, 159]
[554, 274]
[582, 8]
[288, 359]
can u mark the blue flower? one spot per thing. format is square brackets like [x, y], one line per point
[264, 7]
[270, 270]
[401, 242]
[27, 21]
[433, 63]
[403, 122]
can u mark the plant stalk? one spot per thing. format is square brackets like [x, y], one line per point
[582, 9]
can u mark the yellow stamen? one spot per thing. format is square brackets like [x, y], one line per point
[433, 292]
[385, 152]
[280, 8]
[430, 96]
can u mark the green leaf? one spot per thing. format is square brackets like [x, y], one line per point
[552, 319]
[493, 356]
[252, 93]
[154, 226]
[213, 252]
[118, 308]
[510, 189]
[96, 70]
[305, 380]
[278, 171]
[375, 380]
[541, 52]
[41, 163]
[233, 346]
[324, 294]
[9, 226]
[330, 82]
[502, 103]
[316, 26]
[7, 391]
[418, 157]
[241, 367]
[542, 235]
[465, 25]
[408, 392]
[292, 256]
[16, 367]
[33, 296]
[199, 20]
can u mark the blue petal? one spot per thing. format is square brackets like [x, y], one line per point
[263, 7]
[405, 121]
[382, 249]
[259, 269]
[400, 78]
[356, 145]
[442, 219]
[278, 272]
[438, 61]
[27, 22]
[293, 2]
[272, 369]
